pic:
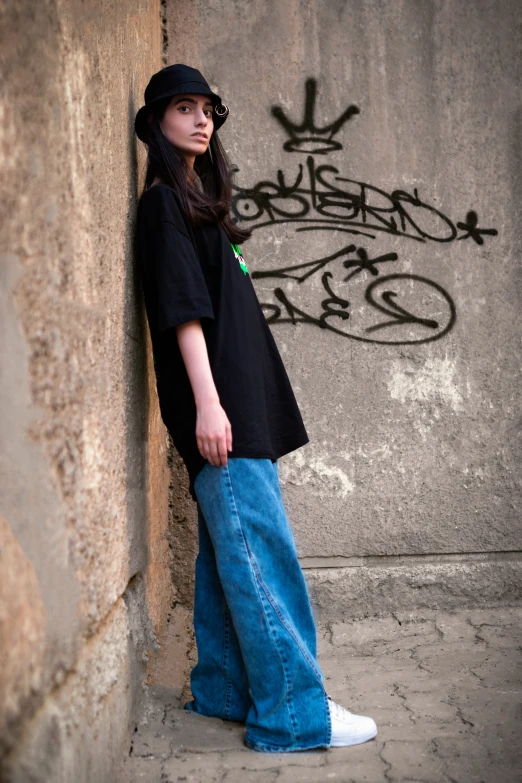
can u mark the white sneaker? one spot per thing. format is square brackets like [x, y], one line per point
[347, 728]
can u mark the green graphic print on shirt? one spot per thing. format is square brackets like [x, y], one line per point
[239, 255]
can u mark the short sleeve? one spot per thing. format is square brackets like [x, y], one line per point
[173, 282]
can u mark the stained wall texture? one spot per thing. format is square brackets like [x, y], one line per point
[85, 585]
[378, 155]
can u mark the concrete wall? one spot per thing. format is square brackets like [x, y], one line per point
[85, 585]
[378, 148]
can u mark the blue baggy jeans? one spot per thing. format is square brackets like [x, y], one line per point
[255, 631]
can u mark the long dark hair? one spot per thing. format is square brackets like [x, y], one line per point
[167, 162]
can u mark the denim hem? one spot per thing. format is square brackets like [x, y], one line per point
[266, 748]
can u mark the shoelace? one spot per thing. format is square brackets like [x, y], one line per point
[340, 712]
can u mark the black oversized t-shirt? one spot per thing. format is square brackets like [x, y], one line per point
[194, 272]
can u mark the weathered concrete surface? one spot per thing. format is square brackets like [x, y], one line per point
[84, 557]
[445, 689]
[177, 654]
[338, 593]
[183, 529]
[414, 447]
[83, 724]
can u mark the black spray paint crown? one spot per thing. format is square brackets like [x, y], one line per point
[307, 137]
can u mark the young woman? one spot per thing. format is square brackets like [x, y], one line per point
[227, 402]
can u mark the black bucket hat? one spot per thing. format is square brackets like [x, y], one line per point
[176, 80]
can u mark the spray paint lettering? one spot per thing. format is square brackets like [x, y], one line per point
[365, 304]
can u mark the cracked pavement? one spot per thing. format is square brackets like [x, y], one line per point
[443, 687]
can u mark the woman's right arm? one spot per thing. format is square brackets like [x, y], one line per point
[213, 429]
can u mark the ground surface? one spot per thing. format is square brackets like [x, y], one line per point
[445, 690]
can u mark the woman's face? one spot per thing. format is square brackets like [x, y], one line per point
[188, 124]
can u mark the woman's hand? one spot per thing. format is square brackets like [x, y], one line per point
[213, 432]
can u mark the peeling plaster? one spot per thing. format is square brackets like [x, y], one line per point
[314, 469]
[435, 381]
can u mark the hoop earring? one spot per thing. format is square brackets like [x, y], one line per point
[221, 110]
